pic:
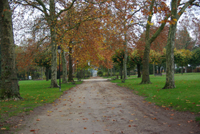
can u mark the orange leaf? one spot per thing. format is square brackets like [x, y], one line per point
[32, 130]
[129, 125]
[38, 120]
[85, 128]
[3, 128]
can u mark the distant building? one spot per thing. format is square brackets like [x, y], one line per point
[94, 73]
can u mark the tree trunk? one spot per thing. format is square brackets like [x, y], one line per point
[138, 70]
[121, 72]
[125, 57]
[111, 72]
[47, 73]
[185, 69]
[64, 67]
[182, 70]
[153, 68]
[1, 8]
[70, 76]
[170, 49]
[9, 83]
[84, 73]
[145, 69]
[53, 45]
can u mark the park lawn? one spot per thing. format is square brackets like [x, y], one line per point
[34, 93]
[185, 97]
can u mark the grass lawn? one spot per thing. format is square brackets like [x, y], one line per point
[132, 76]
[185, 97]
[35, 93]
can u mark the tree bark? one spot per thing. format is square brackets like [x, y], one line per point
[145, 69]
[9, 83]
[70, 76]
[52, 24]
[138, 70]
[170, 49]
[125, 56]
[153, 68]
[47, 73]
[64, 67]
[121, 72]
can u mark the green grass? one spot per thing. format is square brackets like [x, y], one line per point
[34, 93]
[132, 76]
[185, 97]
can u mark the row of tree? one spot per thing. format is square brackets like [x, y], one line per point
[87, 32]
[182, 58]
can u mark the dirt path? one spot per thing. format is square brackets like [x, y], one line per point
[101, 107]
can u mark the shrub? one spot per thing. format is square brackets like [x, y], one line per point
[100, 73]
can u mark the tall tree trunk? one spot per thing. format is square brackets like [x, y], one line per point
[125, 56]
[52, 24]
[64, 67]
[70, 76]
[83, 73]
[1, 35]
[114, 71]
[170, 49]
[138, 70]
[47, 73]
[121, 72]
[111, 72]
[145, 69]
[9, 83]
[182, 70]
[185, 69]
[153, 68]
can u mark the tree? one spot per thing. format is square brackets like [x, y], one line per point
[175, 15]
[195, 58]
[149, 40]
[182, 57]
[158, 58]
[126, 18]
[118, 58]
[48, 8]
[183, 39]
[9, 83]
[136, 57]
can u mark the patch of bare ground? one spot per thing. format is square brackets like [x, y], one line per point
[104, 108]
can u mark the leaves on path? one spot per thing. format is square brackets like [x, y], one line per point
[3, 128]
[38, 120]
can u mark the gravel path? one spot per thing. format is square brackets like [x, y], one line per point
[101, 107]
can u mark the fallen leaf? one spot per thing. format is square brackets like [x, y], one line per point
[3, 128]
[85, 128]
[32, 130]
[131, 120]
[38, 120]
[154, 118]
[129, 125]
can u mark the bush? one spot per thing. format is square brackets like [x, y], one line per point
[100, 73]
